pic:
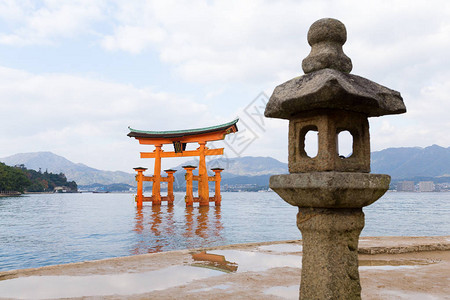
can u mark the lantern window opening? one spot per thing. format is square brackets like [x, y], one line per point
[309, 141]
[345, 143]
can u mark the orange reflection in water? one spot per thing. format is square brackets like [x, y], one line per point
[202, 221]
[160, 228]
[214, 261]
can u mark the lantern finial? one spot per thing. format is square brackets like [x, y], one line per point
[326, 37]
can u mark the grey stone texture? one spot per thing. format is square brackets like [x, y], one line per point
[328, 124]
[330, 189]
[332, 89]
[327, 84]
[326, 37]
[330, 252]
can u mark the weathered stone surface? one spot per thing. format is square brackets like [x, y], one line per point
[330, 189]
[326, 37]
[329, 124]
[331, 89]
[327, 84]
[330, 253]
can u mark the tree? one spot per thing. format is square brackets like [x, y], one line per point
[13, 179]
[20, 179]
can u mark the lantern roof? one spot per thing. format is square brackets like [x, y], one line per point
[327, 83]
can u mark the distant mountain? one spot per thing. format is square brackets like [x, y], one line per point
[81, 174]
[243, 166]
[239, 170]
[400, 163]
[407, 163]
[250, 166]
[108, 188]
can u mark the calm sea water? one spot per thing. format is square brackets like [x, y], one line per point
[40, 230]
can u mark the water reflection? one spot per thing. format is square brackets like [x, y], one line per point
[202, 221]
[395, 262]
[214, 261]
[163, 228]
[98, 286]
[391, 264]
[245, 261]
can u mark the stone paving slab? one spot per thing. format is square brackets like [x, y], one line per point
[390, 268]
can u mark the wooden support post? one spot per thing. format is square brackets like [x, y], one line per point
[140, 182]
[189, 198]
[156, 189]
[170, 179]
[217, 178]
[203, 186]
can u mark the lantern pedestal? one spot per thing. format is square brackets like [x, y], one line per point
[330, 219]
[330, 189]
[330, 252]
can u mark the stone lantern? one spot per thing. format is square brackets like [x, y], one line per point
[330, 190]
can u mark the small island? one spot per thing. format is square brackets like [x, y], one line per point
[18, 180]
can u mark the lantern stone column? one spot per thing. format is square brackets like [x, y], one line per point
[328, 189]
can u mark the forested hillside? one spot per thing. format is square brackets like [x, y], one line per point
[20, 179]
[408, 163]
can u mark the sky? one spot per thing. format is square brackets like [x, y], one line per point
[75, 74]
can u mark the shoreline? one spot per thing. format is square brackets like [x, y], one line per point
[367, 245]
[419, 264]
[11, 194]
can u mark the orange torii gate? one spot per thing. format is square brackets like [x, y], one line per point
[179, 139]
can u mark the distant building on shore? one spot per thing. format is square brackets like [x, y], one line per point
[405, 186]
[426, 186]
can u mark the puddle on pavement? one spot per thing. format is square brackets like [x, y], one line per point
[206, 264]
[213, 261]
[282, 248]
[50, 287]
[408, 295]
[215, 287]
[245, 261]
[374, 264]
[284, 292]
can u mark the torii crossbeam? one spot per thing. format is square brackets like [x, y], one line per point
[179, 139]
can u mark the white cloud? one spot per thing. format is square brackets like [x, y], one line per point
[231, 41]
[213, 42]
[83, 117]
[426, 121]
[33, 23]
[132, 39]
[222, 47]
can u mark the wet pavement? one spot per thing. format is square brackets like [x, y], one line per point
[421, 267]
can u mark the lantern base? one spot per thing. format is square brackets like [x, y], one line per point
[330, 189]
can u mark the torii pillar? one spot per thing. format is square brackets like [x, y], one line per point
[189, 198]
[217, 178]
[203, 187]
[156, 188]
[140, 185]
[170, 179]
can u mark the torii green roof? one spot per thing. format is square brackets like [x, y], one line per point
[180, 133]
